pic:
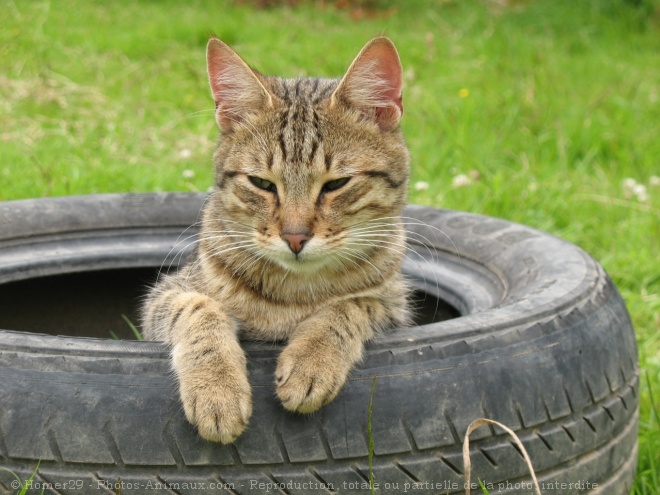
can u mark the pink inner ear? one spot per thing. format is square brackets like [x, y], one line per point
[386, 61]
[216, 63]
[216, 58]
[236, 89]
[373, 83]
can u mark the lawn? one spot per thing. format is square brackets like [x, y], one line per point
[542, 112]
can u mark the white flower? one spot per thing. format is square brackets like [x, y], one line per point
[185, 153]
[631, 188]
[409, 75]
[629, 183]
[641, 193]
[421, 186]
[654, 181]
[188, 174]
[461, 180]
[628, 186]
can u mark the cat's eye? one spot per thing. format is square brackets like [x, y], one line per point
[264, 184]
[333, 185]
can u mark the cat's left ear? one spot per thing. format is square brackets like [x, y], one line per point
[373, 83]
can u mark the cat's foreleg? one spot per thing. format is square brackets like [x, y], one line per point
[314, 366]
[207, 359]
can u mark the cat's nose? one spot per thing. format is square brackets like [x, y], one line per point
[296, 240]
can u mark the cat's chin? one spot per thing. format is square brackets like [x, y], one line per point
[307, 263]
[303, 265]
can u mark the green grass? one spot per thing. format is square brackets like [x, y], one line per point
[21, 486]
[551, 104]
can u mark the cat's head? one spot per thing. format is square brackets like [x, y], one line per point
[310, 172]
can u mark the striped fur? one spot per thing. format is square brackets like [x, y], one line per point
[284, 144]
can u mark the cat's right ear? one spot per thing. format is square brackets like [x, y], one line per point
[237, 90]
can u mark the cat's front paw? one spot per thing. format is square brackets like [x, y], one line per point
[219, 406]
[308, 377]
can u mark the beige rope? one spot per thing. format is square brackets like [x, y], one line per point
[466, 451]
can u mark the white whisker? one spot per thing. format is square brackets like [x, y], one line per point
[197, 222]
[379, 243]
[359, 255]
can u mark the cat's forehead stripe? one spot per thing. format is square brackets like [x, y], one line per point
[300, 133]
[283, 120]
[310, 90]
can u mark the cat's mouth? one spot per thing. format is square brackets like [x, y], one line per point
[310, 259]
[303, 262]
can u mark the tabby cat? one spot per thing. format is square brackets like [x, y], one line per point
[301, 239]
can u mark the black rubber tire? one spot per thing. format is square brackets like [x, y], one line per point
[544, 345]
